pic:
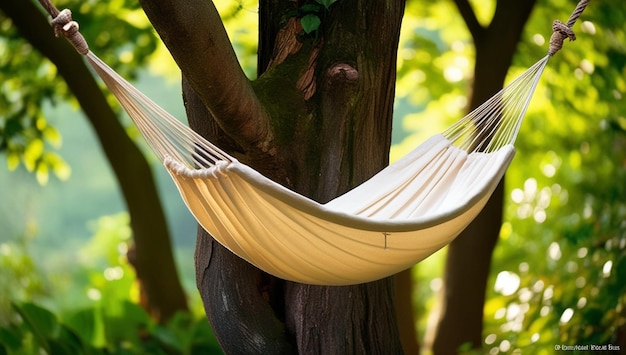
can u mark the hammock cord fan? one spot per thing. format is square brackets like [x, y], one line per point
[400, 216]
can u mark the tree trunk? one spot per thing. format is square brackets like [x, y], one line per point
[162, 292]
[469, 256]
[355, 92]
[317, 121]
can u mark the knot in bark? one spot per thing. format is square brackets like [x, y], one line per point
[340, 75]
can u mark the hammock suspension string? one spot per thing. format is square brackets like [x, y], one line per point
[486, 129]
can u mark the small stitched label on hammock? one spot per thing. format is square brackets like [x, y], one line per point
[385, 234]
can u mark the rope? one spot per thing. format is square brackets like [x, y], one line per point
[561, 30]
[64, 26]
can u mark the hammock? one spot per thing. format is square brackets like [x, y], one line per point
[400, 216]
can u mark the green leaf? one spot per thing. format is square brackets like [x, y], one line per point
[42, 173]
[32, 153]
[41, 322]
[67, 342]
[58, 166]
[309, 9]
[168, 338]
[310, 23]
[11, 337]
[203, 336]
[326, 3]
[84, 324]
[13, 160]
[124, 323]
[52, 135]
[63, 347]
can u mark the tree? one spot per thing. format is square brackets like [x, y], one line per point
[318, 121]
[161, 291]
[469, 256]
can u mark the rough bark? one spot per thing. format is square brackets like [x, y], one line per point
[469, 256]
[153, 259]
[237, 296]
[328, 102]
[354, 96]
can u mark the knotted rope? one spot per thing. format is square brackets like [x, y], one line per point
[561, 30]
[64, 26]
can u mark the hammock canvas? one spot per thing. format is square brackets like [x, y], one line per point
[392, 221]
[400, 216]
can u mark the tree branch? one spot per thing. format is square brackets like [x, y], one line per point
[193, 32]
[469, 17]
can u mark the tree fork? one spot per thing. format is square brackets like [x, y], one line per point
[245, 305]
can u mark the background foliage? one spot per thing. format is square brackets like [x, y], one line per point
[558, 269]
[26, 135]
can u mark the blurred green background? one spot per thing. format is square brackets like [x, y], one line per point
[558, 272]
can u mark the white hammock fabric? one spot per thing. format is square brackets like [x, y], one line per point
[371, 232]
[400, 216]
